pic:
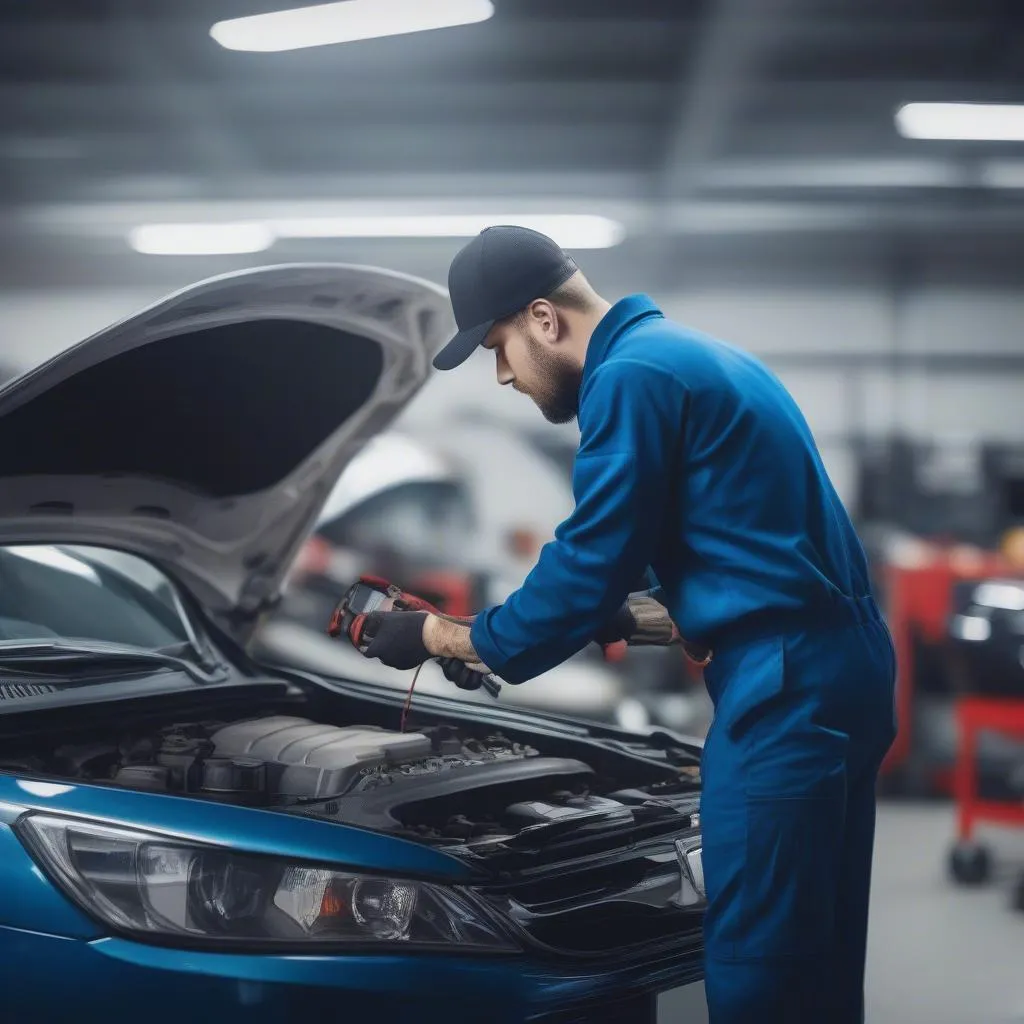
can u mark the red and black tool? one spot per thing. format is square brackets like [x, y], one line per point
[373, 594]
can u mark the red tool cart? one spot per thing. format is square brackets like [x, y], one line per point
[969, 861]
[918, 597]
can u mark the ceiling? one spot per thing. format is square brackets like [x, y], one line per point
[735, 139]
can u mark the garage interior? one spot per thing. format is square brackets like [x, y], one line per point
[791, 176]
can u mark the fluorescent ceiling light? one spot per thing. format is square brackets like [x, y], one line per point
[572, 231]
[345, 23]
[977, 122]
[200, 239]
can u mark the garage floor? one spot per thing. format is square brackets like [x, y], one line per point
[938, 954]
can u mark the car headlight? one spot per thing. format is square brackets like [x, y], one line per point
[148, 884]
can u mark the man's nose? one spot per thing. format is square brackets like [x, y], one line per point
[505, 374]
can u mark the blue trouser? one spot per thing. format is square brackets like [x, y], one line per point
[802, 722]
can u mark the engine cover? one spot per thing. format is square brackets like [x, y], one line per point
[315, 761]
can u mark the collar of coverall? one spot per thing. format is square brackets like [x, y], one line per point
[626, 313]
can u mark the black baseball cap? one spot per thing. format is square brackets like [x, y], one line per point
[497, 274]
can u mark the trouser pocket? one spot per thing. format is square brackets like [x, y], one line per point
[789, 886]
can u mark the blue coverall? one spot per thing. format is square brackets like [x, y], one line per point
[695, 463]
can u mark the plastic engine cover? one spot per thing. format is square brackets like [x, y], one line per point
[317, 761]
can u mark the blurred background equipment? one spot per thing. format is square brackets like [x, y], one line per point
[940, 518]
[837, 187]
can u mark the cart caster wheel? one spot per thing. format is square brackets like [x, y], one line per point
[1018, 894]
[970, 864]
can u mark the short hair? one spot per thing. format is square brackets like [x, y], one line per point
[575, 294]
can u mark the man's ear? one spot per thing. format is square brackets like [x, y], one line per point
[545, 316]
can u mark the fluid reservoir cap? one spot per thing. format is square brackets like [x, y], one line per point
[234, 775]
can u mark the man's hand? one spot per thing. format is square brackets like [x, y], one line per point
[396, 638]
[641, 621]
[645, 622]
[621, 626]
[404, 640]
[461, 674]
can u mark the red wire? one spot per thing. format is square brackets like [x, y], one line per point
[409, 698]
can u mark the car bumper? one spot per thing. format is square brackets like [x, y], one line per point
[58, 979]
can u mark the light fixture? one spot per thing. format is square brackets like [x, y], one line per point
[345, 22]
[181, 892]
[974, 122]
[572, 231]
[201, 239]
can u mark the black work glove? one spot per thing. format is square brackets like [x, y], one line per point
[396, 638]
[461, 674]
[621, 626]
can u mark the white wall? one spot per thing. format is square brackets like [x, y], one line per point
[978, 401]
[36, 325]
[982, 401]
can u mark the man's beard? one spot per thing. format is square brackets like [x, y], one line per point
[557, 392]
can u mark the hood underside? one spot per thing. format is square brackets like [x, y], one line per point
[206, 432]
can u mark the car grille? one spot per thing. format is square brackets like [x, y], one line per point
[624, 902]
[15, 690]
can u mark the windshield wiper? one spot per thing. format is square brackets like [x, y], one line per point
[98, 650]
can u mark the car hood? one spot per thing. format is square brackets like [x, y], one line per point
[206, 432]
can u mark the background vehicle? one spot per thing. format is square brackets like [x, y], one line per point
[188, 828]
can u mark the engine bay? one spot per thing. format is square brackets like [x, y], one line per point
[444, 784]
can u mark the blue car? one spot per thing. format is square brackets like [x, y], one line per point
[190, 833]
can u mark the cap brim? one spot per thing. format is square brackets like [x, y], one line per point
[462, 346]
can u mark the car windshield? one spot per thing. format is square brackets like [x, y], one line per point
[73, 593]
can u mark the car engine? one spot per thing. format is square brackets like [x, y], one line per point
[436, 784]
[278, 759]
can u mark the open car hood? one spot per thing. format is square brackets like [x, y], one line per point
[206, 432]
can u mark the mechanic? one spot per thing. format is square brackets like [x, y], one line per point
[696, 468]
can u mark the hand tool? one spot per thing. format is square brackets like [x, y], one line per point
[374, 594]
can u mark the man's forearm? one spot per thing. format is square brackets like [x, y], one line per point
[447, 639]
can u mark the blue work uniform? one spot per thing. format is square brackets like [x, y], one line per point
[695, 463]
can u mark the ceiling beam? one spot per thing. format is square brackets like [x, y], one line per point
[163, 148]
[217, 149]
[36, 103]
[713, 77]
[588, 185]
[38, 107]
[501, 44]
